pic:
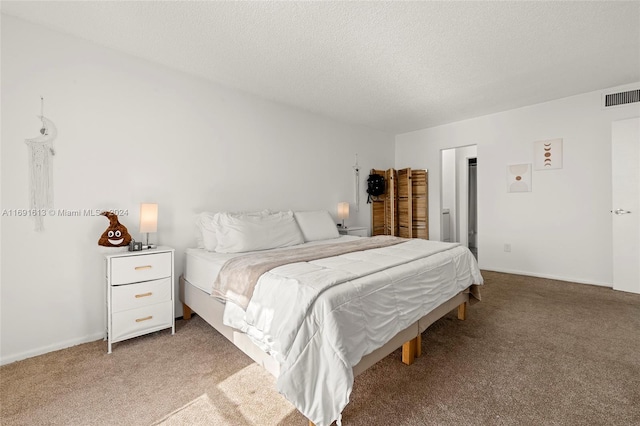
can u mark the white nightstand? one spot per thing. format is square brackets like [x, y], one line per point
[358, 231]
[139, 293]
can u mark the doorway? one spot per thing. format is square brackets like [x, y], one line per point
[472, 196]
[458, 196]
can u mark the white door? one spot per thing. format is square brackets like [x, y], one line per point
[625, 153]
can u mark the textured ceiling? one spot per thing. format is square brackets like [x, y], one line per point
[393, 66]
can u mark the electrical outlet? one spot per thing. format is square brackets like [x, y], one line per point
[507, 248]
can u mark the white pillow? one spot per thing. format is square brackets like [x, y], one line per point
[206, 235]
[317, 225]
[241, 233]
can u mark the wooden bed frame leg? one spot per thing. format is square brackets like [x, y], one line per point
[186, 312]
[409, 351]
[419, 346]
[462, 311]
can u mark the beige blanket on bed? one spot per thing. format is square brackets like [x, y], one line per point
[239, 276]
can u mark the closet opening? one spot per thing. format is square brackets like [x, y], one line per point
[459, 196]
[472, 218]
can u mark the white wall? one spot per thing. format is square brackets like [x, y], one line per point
[562, 229]
[130, 131]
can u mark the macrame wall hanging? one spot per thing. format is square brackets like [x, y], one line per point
[41, 152]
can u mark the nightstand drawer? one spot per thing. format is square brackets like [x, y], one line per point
[147, 267]
[132, 296]
[135, 322]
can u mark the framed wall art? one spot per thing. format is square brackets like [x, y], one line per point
[519, 178]
[547, 154]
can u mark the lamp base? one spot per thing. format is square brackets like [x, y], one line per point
[147, 245]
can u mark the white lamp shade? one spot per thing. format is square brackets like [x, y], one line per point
[148, 217]
[343, 210]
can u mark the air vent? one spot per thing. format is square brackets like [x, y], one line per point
[621, 98]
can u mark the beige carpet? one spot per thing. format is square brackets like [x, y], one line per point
[248, 400]
[199, 411]
[533, 352]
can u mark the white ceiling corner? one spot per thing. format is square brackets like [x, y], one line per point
[389, 65]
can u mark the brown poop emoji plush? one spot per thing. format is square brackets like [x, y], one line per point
[116, 234]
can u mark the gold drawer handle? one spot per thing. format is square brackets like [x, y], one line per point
[144, 319]
[140, 268]
[143, 295]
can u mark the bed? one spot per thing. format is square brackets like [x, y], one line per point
[321, 307]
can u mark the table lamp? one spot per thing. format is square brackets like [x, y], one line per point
[148, 221]
[343, 212]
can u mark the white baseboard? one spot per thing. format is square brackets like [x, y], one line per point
[551, 277]
[55, 347]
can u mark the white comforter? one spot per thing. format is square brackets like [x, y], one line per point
[319, 330]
